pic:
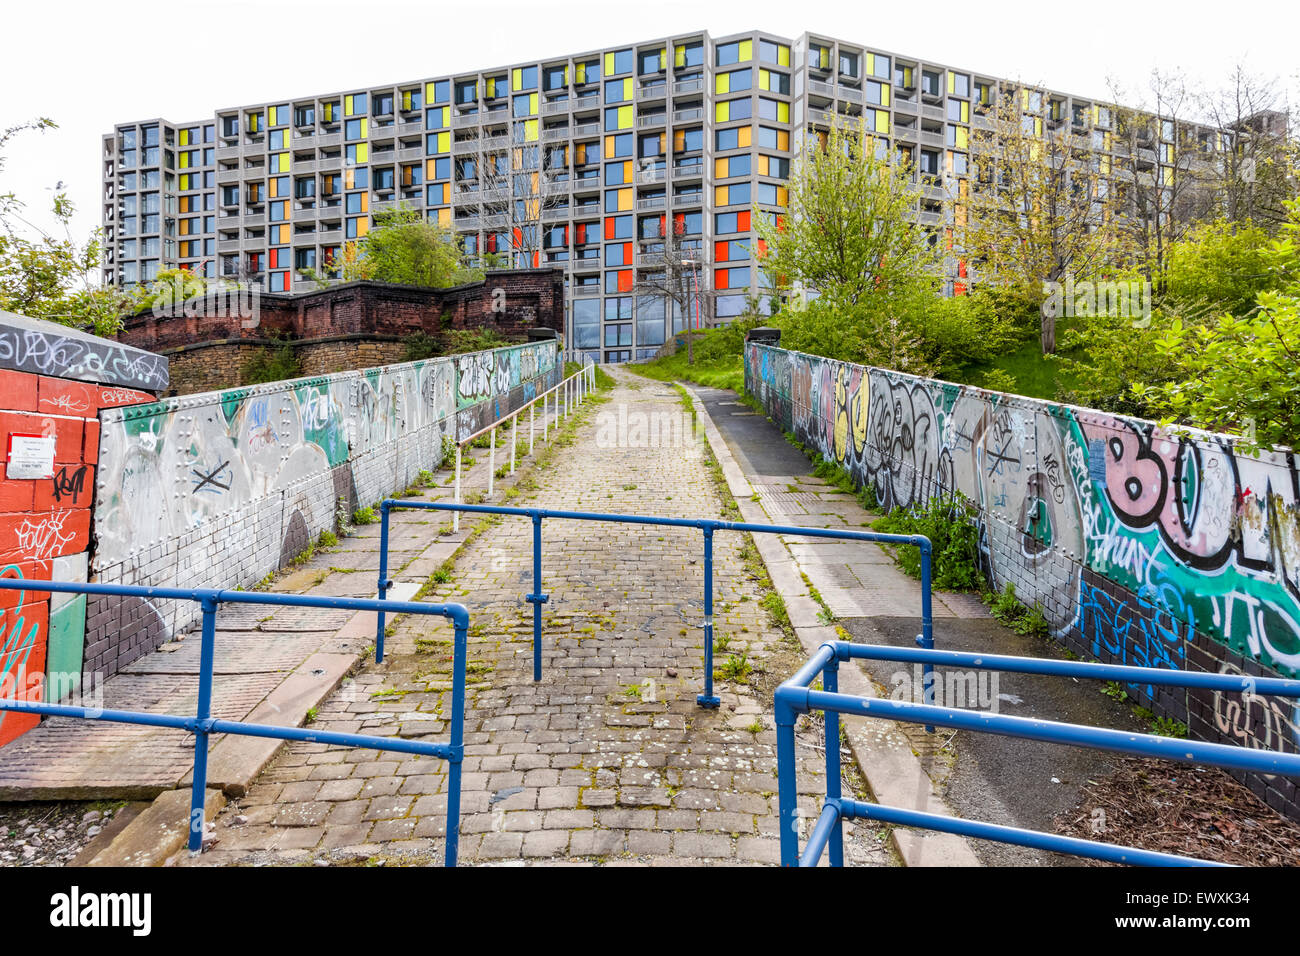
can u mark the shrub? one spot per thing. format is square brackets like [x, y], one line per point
[954, 542]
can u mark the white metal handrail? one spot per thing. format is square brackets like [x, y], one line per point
[572, 392]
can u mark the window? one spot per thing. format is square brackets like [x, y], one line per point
[586, 323]
[652, 61]
[774, 82]
[737, 81]
[770, 52]
[848, 65]
[739, 52]
[929, 162]
[735, 138]
[773, 110]
[769, 138]
[930, 83]
[729, 110]
[384, 178]
[620, 334]
[304, 188]
[687, 55]
[523, 78]
[689, 140]
[618, 62]
[735, 194]
[770, 194]
[467, 93]
[726, 167]
[304, 259]
[959, 84]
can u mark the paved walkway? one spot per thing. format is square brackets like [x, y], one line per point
[607, 758]
[978, 776]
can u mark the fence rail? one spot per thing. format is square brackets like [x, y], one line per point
[708, 526]
[797, 696]
[573, 391]
[203, 725]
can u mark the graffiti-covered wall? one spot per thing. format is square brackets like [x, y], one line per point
[219, 489]
[1141, 546]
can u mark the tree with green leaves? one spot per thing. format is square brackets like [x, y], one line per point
[404, 248]
[1242, 372]
[49, 276]
[849, 241]
[1040, 208]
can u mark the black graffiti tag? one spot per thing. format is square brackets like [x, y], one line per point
[70, 485]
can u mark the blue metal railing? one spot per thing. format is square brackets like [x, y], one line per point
[707, 525]
[203, 724]
[796, 696]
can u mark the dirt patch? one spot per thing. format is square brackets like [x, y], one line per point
[1176, 808]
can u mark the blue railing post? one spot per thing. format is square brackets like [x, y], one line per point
[831, 684]
[708, 698]
[456, 755]
[787, 798]
[926, 638]
[537, 598]
[203, 721]
[384, 583]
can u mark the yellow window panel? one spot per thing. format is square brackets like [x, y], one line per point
[363, 154]
[884, 95]
[952, 82]
[882, 121]
[363, 227]
[722, 83]
[609, 64]
[329, 112]
[720, 195]
[185, 161]
[284, 159]
[430, 169]
[746, 50]
[783, 140]
[679, 140]
[516, 80]
[627, 171]
[869, 64]
[347, 106]
[1038, 126]
[429, 92]
[625, 117]
[530, 131]
[744, 136]
[365, 128]
[720, 168]
[609, 148]
[783, 112]
[963, 137]
[444, 218]
[581, 73]
[721, 111]
[624, 200]
[446, 193]
[965, 112]
[762, 165]
[679, 56]
[783, 55]
[183, 138]
[443, 142]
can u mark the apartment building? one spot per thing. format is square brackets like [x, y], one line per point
[583, 162]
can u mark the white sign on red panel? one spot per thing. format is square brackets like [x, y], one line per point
[30, 457]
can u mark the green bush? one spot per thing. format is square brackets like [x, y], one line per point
[954, 542]
[274, 364]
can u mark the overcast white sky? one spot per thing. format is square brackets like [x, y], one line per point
[88, 65]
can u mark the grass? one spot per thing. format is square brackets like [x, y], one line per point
[1024, 371]
[719, 360]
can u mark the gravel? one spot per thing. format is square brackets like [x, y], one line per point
[50, 834]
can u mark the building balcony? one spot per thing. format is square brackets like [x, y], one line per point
[410, 154]
[655, 91]
[465, 147]
[818, 88]
[651, 203]
[464, 120]
[645, 177]
[554, 107]
[688, 87]
[586, 130]
[585, 291]
[225, 176]
[227, 153]
[555, 134]
[329, 140]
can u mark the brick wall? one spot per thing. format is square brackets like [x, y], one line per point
[1140, 545]
[45, 533]
[350, 326]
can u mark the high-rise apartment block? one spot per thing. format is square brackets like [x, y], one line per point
[582, 162]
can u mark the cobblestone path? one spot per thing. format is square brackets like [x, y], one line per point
[607, 759]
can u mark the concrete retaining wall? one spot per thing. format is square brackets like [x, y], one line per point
[1140, 545]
